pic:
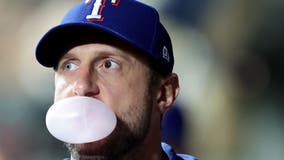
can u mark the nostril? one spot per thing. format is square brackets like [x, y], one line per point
[85, 89]
[90, 94]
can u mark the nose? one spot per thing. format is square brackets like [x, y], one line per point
[85, 84]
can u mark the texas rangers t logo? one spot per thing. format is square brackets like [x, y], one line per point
[98, 7]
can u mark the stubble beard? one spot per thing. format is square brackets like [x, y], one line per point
[124, 140]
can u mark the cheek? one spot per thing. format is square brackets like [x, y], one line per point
[126, 94]
[63, 88]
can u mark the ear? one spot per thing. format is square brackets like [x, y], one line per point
[168, 92]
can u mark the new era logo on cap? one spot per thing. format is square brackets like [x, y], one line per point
[128, 20]
[166, 54]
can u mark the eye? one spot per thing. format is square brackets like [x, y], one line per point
[70, 66]
[110, 64]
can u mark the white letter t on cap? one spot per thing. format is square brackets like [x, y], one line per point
[96, 14]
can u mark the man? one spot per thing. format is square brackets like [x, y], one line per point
[116, 51]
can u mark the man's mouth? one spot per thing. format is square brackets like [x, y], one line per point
[79, 120]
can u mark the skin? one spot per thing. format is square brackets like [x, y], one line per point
[119, 77]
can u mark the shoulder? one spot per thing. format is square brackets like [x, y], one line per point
[173, 156]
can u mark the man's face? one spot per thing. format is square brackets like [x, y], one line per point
[117, 77]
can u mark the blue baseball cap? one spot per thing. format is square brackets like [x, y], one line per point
[130, 21]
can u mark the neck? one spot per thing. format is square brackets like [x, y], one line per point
[150, 148]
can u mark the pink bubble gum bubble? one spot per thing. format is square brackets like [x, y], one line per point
[80, 120]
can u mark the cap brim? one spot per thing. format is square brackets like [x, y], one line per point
[61, 38]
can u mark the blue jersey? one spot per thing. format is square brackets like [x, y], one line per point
[171, 154]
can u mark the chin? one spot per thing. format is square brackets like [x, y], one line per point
[98, 148]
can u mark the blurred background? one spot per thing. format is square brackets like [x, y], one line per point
[229, 56]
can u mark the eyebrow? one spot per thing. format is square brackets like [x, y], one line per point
[67, 55]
